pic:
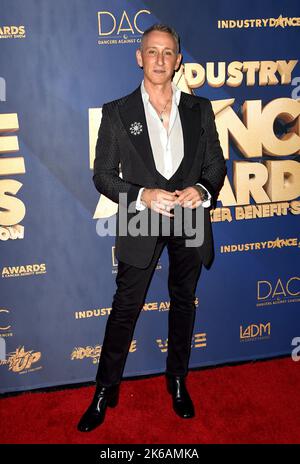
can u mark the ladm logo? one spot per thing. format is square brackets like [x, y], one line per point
[199, 340]
[125, 29]
[20, 361]
[12, 209]
[12, 32]
[254, 332]
[26, 270]
[93, 352]
[278, 291]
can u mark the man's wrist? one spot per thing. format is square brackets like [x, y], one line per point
[203, 193]
[142, 198]
[139, 206]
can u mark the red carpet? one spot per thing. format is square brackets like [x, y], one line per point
[249, 403]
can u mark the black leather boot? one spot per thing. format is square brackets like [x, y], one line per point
[95, 414]
[182, 403]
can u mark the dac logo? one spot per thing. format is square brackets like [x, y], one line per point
[255, 331]
[3, 325]
[109, 24]
[278, 289]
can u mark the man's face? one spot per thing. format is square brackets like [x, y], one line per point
[158, 57]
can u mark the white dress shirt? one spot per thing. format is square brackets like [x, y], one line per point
[167, 145]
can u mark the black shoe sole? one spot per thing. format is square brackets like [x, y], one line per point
[113, 402]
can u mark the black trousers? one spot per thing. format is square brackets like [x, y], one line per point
[132, 284]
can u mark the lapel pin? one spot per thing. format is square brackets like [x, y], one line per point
[136, 128]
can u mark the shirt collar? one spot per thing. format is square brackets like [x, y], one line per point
[176, 93]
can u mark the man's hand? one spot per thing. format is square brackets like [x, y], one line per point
[190, 197]
[159, 200]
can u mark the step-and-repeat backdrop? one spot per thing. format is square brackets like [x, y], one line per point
[60, 61]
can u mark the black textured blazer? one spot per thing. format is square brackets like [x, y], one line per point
[117, 146]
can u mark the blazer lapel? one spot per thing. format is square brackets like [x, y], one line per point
[131, 113]
[192, 131]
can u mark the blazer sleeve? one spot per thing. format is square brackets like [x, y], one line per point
[214, 167]
[106, 165]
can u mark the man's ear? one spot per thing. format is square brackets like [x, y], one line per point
[178, 61]
[139, 58]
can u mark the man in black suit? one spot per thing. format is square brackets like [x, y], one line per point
[166, 144]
